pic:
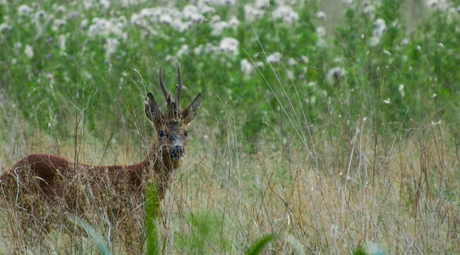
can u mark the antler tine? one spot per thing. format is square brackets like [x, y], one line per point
[163, 87]
[179, 88]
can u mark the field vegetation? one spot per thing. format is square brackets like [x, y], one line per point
[321, 130]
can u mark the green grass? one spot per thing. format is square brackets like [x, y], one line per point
[358, 147]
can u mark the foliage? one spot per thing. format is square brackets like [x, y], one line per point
[310, 126]
[258, 247]
[207, 233]
[109, 56]
[93, 233]
[151, 210]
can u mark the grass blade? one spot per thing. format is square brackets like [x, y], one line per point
[295, 244]
[261, 244]
[150, 216]
[92, 233]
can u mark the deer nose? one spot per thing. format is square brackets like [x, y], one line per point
[177, 152]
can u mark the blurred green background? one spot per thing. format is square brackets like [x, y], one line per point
[264, 62]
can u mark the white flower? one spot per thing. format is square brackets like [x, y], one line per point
[387, 101]
[303, 59]
[84, 24]
[87, 4]
[218, 28]
[183, 50]
[210, 48]
[189, 10]
[169, 58]
[281, 11]
[320, 15]
[274, 58]
[292, 62]
[198, 49]
[166, 19]
[104, 4]
[432, 3]
[18, 46]
[348, 2]
[245, 66]
[4, 27]
[72, 15]
[369, 9]
[262, 4]
[104, 28]
[136, 19]
[321, 31]
[252, 13]
[334, 74]
[286, 13]
[29, 51]
[215, 18]
[197, 18]
[62, 40]
[207, 10]
[180, 26]
[61, 9]
[24, 10]
[380, 27]
[111, 47]
[405, 41]
[41, 14]
[229, 45]
[401, 90]
[233, 22]
[58, 23]
[50, 77]
[229, 2]
[147, 13]
[374, 41]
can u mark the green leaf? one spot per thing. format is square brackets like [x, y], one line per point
[92, 233]
[261, 244]
[151, 213]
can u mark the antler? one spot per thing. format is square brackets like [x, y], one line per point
[172, 109]
[179, 90]
[162, 84]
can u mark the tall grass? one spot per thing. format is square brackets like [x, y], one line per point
[355, 148]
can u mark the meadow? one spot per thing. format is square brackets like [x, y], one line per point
[325, 127]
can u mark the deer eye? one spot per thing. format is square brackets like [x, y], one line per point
[185, 133]
[162, 134]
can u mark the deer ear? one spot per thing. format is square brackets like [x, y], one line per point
[151, 109]
[190, 112]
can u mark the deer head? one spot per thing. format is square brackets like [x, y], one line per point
[171, 127]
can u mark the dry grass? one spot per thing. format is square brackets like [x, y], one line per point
[328, 197]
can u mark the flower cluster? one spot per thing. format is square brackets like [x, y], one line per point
[109, 26]
[286, 14]
[379, 28]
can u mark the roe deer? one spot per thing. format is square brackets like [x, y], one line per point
[50, 176]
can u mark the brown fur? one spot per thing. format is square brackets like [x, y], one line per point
[58, 179]
[49, 172]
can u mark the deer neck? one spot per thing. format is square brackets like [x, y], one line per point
[159, 165]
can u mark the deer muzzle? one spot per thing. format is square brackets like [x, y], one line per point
[177, 152]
